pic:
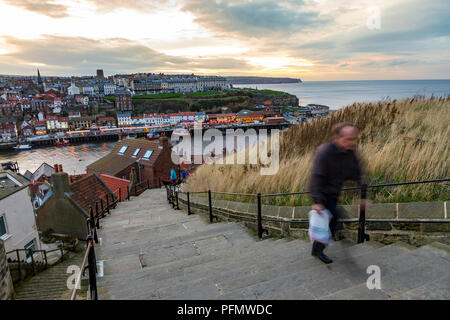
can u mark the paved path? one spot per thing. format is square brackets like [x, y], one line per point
[151, 251]
[51, 284]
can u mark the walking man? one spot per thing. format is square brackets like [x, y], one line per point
[334, 163]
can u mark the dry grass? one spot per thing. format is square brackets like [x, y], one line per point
[404, 140]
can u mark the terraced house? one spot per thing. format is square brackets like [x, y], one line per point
[151, 160]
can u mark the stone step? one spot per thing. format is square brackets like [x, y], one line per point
[164, 277]
[144, 242]
[237, 267]
[271, 270]
[351, 287]
[193, 263]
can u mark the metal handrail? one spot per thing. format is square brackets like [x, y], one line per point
[362, 220]
[83, 264]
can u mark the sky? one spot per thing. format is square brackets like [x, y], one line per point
[315, 40]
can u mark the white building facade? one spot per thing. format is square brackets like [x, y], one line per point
[17, 219]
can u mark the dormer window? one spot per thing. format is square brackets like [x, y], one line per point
[136, 152]
[147, 154]
[123, 149]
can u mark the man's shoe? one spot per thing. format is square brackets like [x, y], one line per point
[324, 258]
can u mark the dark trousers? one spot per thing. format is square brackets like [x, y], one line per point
[331, 205]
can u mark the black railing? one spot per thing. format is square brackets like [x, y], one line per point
[362, 236]
[35, 265]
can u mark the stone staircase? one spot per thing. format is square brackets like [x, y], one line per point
[51, 284]
[151, 251]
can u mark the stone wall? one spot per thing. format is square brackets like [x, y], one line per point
[415, 222]
[6, 284]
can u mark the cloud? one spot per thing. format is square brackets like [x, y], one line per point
[253, 18]
[77, 56]
[138, 5]
[44, 7]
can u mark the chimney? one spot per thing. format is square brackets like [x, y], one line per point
[60, 181]
[164, 142]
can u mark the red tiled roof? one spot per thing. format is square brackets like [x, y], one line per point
[114, 184]
[89, 190]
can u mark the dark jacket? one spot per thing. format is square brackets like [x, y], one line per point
[332, 166]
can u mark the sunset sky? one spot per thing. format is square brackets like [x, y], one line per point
[307, 39]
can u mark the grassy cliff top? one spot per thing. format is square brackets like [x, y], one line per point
[404, 140]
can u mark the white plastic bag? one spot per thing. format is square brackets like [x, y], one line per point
[319, 226]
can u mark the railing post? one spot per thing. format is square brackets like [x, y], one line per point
[362, 216]
[210, 206]
[101, 206]
[107, 203]
[261, 230]
[259, 215]
[173, 197]
[18, 264]
[128, 195]
[148, 184]
[92, 266]
[176, 195]
[32, 262]
[120, 195]
[188, 204]
[45, 258]
[96, 215]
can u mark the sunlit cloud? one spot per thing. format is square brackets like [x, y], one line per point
[311, 39]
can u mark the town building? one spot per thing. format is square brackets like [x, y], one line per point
[124, 119]
[17, 221]
[123, 101]
[81, 123]
[151, 160]
[66, 206]
[109, 89]
[40, 128]
[55, 123]
[108, 122]
[8, 130]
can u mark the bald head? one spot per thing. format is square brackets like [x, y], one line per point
[345, 136]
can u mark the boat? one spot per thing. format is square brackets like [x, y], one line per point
[22, 147]
[152, 136]
[61, 142]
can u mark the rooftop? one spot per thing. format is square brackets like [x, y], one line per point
[10, 183]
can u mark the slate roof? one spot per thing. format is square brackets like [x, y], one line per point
[113, 162]
[8, 186]
[44, 169]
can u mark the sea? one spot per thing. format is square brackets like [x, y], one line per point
[338, 94]
[335, 94]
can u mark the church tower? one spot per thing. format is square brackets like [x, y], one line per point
[40, 84]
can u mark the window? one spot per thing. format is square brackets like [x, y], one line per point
[123, 149]
[136, 152]
[147, 154]
[3, 229]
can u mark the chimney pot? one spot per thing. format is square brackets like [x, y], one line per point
[60, 168]
[55, 166]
